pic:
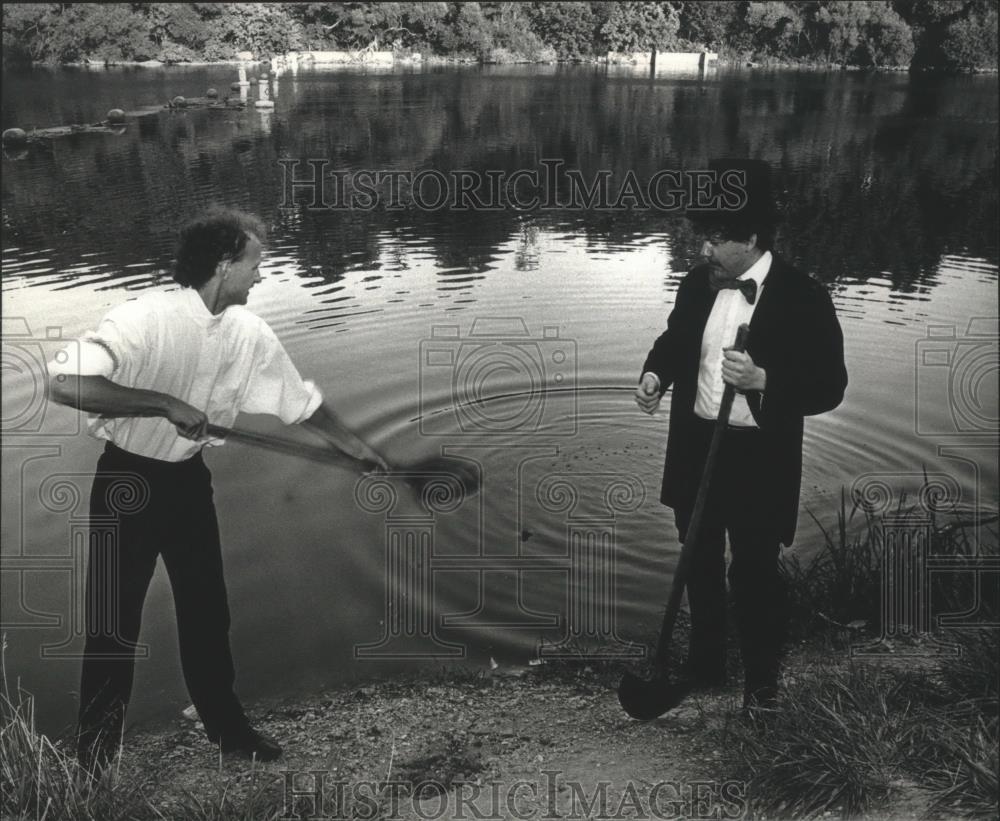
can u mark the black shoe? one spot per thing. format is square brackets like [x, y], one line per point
[251, 744]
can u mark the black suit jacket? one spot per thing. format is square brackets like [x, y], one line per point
[796, 339]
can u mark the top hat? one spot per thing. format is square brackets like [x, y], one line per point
[738, 200]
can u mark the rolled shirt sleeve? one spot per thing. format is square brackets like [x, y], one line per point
[275, 386]
[83, 358]
[118, 339]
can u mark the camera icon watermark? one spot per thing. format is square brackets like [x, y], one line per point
[498, 380]
[23, 362]
[956, 380]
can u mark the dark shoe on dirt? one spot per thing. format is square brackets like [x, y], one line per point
[251, 744]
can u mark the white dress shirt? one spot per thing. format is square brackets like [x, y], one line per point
[171, 343]
[729, 311]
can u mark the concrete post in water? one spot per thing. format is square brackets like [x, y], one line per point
[264, 99]
[243, 75]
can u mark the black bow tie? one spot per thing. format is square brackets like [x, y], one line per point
[747, 286]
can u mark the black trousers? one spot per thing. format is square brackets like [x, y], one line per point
[142, 508]
[738, 504]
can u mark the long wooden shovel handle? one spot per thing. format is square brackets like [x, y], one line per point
[417, 475]
[694, 527]
[261, 440]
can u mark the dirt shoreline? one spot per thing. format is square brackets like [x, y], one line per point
[539, 742]
[539, 739]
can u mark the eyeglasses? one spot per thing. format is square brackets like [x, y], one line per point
[716, 238]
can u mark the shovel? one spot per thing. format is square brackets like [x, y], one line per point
[419, 475]
[646, 700]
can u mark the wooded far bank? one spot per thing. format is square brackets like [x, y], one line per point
[941, 35]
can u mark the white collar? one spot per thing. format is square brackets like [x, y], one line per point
[759, 270]
[196, 305]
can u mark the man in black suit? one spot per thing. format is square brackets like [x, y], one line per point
[793, 367]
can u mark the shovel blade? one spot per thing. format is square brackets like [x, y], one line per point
[436, 466]
[646, 700]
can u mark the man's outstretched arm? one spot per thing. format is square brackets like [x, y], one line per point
[328, 425]
[98, 394]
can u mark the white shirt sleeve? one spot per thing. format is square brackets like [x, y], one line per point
[275, 386]
[82, 358]
[119, 338]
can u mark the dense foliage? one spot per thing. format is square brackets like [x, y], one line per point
[939, 34]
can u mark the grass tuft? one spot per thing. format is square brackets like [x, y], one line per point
[256, 801]
[41, 779]
[835, 744]
[857, 735]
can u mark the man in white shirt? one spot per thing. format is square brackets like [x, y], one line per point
[153, 376]
[793, 367]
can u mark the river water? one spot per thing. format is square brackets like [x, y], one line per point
[511, 337]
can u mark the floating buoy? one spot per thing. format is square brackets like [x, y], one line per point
[211, 93]
[116, 116]
[235, 86]
[193, 103]
[264, 75]
[253, 81]
[15, 137]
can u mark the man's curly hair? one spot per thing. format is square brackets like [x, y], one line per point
[213, 236]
